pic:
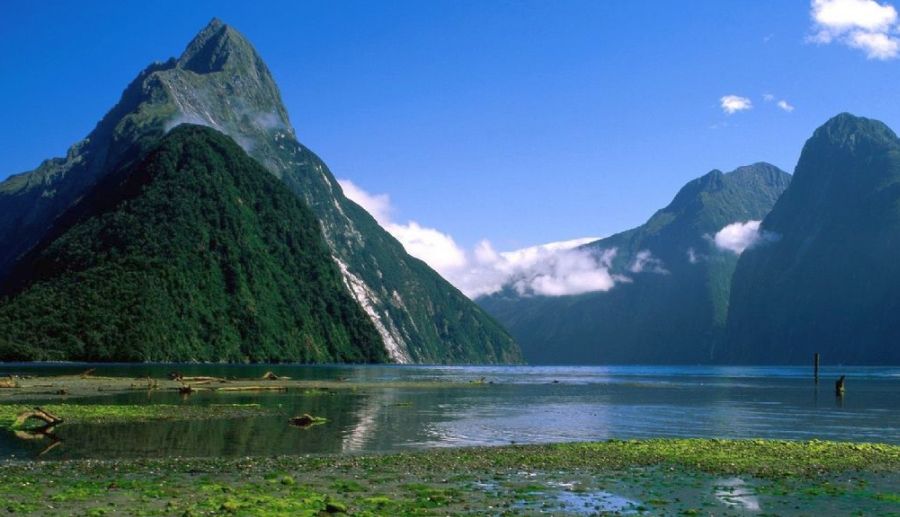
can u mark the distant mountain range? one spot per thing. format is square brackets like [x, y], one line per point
[220, 82]
[819, 273]
[673, 306]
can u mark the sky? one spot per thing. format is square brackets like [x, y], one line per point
[497, 125]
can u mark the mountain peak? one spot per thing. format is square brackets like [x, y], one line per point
[760, 171]
[848, 130]
[216, 47]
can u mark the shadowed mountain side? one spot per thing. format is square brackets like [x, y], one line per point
[830, 282]
[670, 301]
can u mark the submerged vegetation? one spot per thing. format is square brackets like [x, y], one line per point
[103, 413]
[672, 477]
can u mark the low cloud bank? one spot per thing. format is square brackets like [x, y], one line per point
[554, 269]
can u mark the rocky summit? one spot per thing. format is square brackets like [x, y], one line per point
[221, 82]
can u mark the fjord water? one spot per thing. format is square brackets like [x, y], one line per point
[514, 404]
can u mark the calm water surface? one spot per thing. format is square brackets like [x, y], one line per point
[523, 405]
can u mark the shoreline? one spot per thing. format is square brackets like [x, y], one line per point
[65, 387]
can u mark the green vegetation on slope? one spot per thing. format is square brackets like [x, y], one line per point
[196, 253]
[830, 281]
[221, 81]
[673, 311]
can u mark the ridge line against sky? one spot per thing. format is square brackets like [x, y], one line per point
[492, 125]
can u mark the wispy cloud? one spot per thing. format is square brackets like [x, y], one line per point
[644, 261]
[554, 269]
[731, 104]
[867, 25]
[782, 104]
[785, 106]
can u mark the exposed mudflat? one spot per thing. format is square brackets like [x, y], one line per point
[649, 477]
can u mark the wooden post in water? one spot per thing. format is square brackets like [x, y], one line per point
[839, 387]
[816, 366]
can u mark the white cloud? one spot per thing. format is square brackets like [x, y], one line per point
[867, 25]
[740, 236]
[785, 105]
[378, 205]
[877, 45]
[768, 97]
[737, 237]
[553, 269]
[733, 103]
[437, 249]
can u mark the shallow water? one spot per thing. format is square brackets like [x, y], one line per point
[523, 405]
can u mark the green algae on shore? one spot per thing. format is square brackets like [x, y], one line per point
[102, 413]
[657, 477]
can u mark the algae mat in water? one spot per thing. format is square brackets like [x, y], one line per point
[652, 477]
[103, 413]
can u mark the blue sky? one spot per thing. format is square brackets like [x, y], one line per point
[517, 121]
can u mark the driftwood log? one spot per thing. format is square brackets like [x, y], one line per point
[37, 413]
[253, 388]
[9, 383]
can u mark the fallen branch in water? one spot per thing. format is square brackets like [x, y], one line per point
[270, 376]
[253, 388]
